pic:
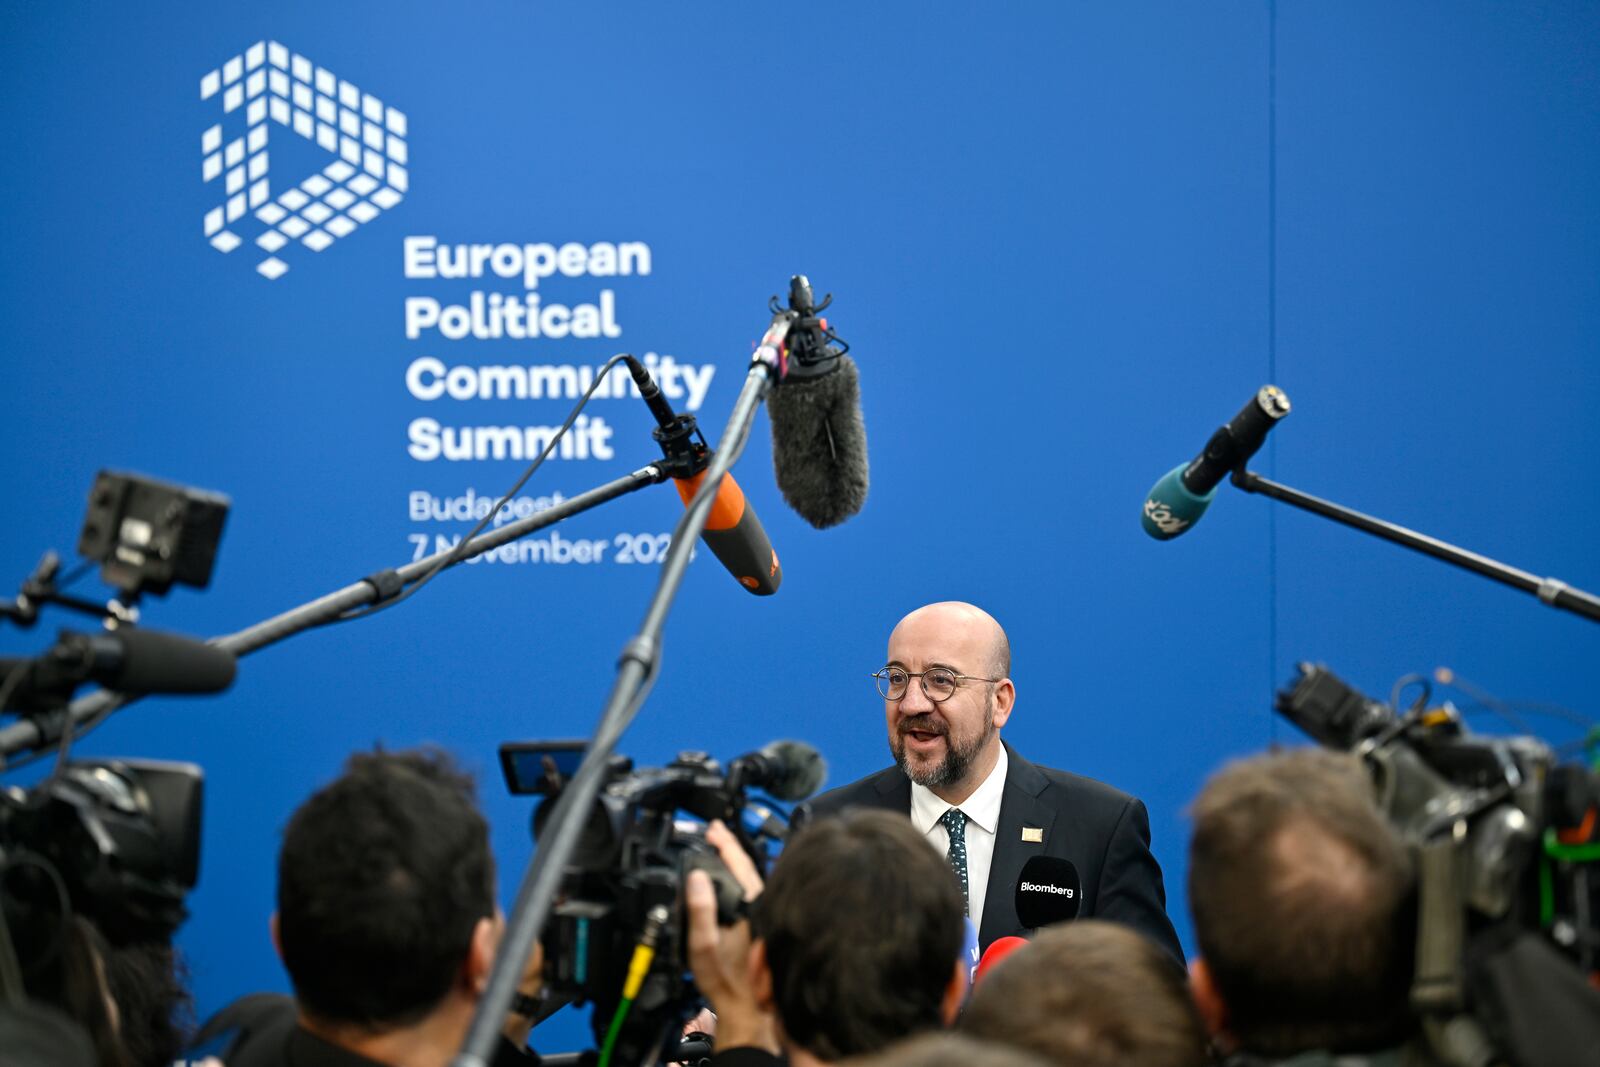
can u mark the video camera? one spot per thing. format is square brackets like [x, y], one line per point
[116, 841]
[120, 839]
[618, 935]
[1523, 816]
[1508, 863]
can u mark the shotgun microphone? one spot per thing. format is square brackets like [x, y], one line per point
[819, 442]
[129, 661]
[733, 532]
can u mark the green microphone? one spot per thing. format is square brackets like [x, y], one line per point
[1176, 502]
[1170, 509]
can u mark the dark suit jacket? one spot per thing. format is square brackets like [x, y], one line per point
[1103, 832]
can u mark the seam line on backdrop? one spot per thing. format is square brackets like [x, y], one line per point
[1272, 355]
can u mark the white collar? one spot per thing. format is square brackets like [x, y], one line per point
[982, 807]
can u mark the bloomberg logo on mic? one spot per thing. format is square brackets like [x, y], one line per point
[1047, 892]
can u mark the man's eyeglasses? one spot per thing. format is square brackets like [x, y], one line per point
[938, 683]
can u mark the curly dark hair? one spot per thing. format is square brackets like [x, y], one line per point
[149, 982]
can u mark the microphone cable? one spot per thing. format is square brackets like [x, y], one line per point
[457, 552]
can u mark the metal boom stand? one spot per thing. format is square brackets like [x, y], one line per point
[1551, 591]
[636, 669]
[35, 732]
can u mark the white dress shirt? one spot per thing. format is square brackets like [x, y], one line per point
[982, 810]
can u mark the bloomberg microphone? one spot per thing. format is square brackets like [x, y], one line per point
[1177, 501]
[1048, 892]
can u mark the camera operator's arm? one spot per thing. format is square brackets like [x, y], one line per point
[518, 1024]
[720, 957]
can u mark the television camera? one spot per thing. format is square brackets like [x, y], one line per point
[618, 935]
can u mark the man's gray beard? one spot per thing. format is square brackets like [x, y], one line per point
[956, 763]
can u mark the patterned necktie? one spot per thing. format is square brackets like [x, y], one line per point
[955, 822]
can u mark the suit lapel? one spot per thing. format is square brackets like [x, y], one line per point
[1020, 809]
[891, 790]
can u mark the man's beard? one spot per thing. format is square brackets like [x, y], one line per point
[958, 758]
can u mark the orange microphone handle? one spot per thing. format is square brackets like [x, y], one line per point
[735, 536]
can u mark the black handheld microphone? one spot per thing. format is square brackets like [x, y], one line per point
[129, 661]
[1048, 891]
[1177, 501]
[733, 533]
[819, 442]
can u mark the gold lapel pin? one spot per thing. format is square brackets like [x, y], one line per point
[1033, 835]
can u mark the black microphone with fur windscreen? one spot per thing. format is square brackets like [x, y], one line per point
[819, 442]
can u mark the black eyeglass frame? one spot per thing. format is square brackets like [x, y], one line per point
[882, 677]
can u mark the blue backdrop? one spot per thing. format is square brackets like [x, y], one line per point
[1067, 240]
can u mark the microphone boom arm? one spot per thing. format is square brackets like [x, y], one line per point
[1551, 591]
[27, 735]
[636, 670]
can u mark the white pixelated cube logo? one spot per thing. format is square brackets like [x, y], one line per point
[365, 138]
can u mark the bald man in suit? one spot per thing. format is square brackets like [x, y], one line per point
[947, 693]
